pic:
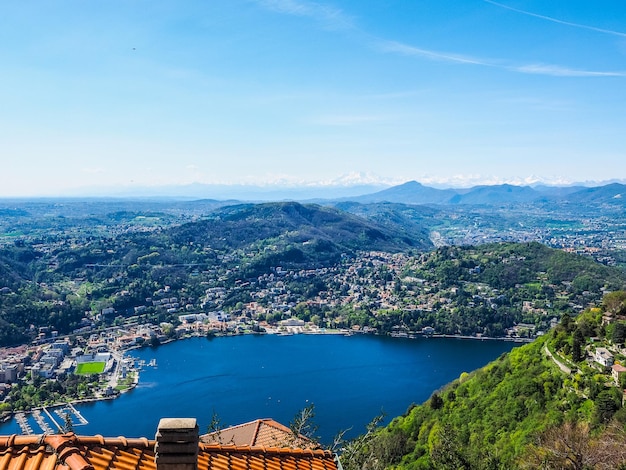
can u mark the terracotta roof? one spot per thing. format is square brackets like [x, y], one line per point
[261, 432]
[70, 452]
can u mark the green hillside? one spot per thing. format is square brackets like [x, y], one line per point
[488, 289]
[522, 410]
[507, 265]
[241, 225]
[411, 220]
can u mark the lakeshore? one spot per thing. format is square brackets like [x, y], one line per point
[245, 377]
[122, 368]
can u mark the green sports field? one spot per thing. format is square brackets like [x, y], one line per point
[87, 368]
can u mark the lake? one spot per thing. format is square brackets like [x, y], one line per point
[348, 379]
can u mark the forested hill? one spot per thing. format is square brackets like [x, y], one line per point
[523, 410]
[489, 289]
[292, 235]
[507, 265]
[291, 222]
[54, 283]
[273, 234]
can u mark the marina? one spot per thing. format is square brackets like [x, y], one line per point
[60, 417]
[37, 422]
[23, 423]
[56, 425]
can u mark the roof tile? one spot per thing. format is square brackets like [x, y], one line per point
[70, 452]
[261, 432]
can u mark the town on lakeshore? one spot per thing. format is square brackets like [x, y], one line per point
[95, 350]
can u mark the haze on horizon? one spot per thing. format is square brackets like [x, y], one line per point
[103, 97]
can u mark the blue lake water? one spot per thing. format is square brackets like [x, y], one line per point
[348, 379]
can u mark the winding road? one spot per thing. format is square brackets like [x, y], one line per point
[561, 366]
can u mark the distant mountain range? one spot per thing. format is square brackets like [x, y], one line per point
[413, 192]
[611, 196]
[410, 192]
[240, 192]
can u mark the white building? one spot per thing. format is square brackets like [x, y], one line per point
[604, 357]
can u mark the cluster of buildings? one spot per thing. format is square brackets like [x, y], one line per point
[606, 359]
[50, 361]
[47, 361]
[373, 282]
[12, 363]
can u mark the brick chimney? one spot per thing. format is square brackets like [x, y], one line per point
[177, 444]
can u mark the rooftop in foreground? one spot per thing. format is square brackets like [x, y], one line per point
[175, 448]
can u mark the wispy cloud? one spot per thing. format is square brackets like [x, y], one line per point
[408, 50]
[328, 16]
[558, 71]
[556, 20]
[535, 69]
[336, 19]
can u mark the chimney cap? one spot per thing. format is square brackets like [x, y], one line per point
[177, 424]
[176, 446]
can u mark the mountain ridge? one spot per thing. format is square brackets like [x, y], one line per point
[413, 192]
[410, 192]
[370, 190]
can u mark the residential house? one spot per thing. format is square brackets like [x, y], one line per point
[616, 371]
[8, 373]
[292, 322]
[604, 357]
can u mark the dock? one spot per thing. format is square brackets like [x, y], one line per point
[45, 410]
[81, 419]
[23, 423]
[69, 409]
[45, 427]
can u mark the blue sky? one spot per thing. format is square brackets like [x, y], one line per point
[123, 94]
